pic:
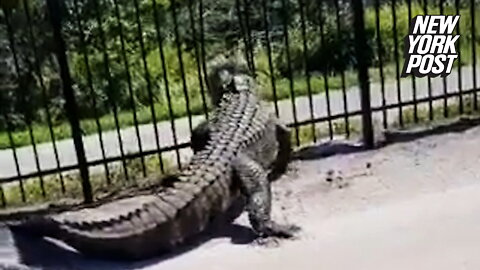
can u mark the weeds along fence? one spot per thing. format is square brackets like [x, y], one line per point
[111, 89]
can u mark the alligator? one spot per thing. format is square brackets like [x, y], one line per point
[237, 153]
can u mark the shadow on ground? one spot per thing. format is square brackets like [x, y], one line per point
[40, 253]
[327, 149]
[343, 147]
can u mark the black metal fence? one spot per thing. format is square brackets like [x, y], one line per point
[82, 81]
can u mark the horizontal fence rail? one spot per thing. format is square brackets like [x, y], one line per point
[97, 95]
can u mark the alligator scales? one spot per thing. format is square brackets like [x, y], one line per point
[237, 151]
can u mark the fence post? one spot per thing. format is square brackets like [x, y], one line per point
[361, 48]
[70, 102]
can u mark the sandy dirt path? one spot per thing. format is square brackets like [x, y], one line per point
[417, 207]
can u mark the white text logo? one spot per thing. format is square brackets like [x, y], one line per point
[430, 46]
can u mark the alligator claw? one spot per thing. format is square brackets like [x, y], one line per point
[272, 233]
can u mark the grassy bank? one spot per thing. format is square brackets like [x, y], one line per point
[12, 196]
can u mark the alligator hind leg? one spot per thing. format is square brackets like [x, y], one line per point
[256, 188]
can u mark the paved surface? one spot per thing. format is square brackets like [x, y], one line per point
[416, 207]
[92, 146]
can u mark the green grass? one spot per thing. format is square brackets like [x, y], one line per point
[438, 113]
[306, 133]
[11, 193]
[321, 131]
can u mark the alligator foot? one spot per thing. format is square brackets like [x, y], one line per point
[267, 242]
[273, 232]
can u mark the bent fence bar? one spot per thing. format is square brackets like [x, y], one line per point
[96, 85]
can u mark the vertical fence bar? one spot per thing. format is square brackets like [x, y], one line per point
[203, 53]
[429, 80]
[37, 68]
[129, 86]
[246, 4]
[149, 83]
[70, 102]
[180, 62]
[361, 47]
[198, 58]
[165, 80]
[325, 76]
[15, 156]
[342, 73]
[90, 86]
[289, 70]
[397, 64]
[460, 90]
[444, 79]
[414, 84]
[24, 102]
[474, 54]
[111, 101]
[7, 120]
[380, 63]
[266, 26]
[2, 196]
[305, 63]
[238, 7]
